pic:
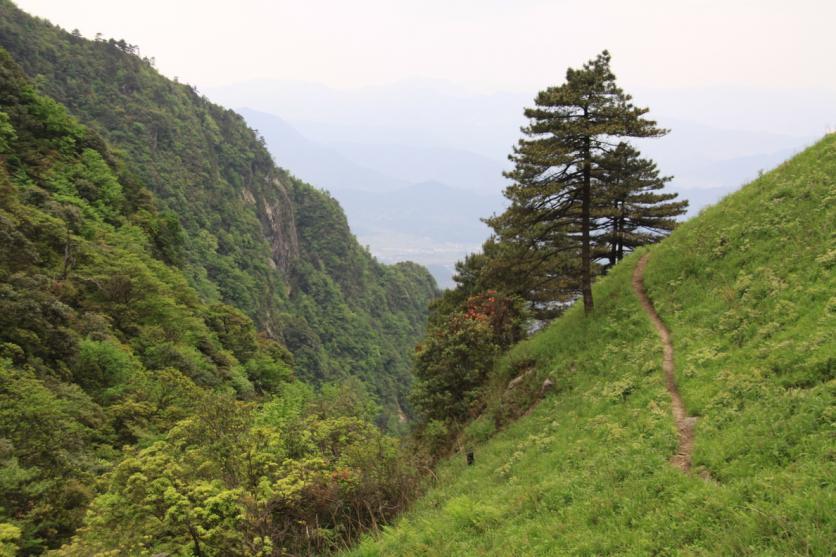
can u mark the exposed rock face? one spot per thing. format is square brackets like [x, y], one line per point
[515, 382]
[248, 196]
[277, 219]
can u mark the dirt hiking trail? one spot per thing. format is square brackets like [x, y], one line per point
[684, 422]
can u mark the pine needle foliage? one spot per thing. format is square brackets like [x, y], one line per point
[632, 211]
[571, 128]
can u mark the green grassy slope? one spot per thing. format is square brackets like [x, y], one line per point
[747, 289]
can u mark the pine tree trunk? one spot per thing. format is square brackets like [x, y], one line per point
[586, 256]
[620, 239]
[613, 256]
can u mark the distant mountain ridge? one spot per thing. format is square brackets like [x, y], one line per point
[429, 222]
[312, 162]
[707, 126]
[425, 130]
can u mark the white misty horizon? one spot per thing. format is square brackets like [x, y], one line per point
[491, 44]
[379, 95]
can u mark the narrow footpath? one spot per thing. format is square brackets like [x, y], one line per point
[684, 422]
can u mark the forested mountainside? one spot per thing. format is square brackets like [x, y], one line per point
[242, 231]
[595, 467]
[140, 416]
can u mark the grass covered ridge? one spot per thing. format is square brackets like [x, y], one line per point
[747, 290]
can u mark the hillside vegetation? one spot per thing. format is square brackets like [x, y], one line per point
[747, 290]
[196, 355]
[136, 417]
[242, 231]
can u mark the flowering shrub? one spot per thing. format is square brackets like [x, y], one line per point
[457, 355]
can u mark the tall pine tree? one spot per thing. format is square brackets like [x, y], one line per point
[571, 127]
[632, 211]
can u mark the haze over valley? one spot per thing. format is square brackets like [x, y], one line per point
[416, 164]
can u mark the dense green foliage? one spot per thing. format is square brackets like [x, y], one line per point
[453, 361]
[149, 293]
[351, 315]
[296, 475]
[96, 332]
[243, 232]
[136, 410]
[544, 281]
[563, 177]
[747, 289]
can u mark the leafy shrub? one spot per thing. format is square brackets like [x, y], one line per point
[455, 358]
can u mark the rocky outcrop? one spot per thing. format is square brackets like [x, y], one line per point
[278, 221]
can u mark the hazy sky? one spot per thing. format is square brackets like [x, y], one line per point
[489, 44]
